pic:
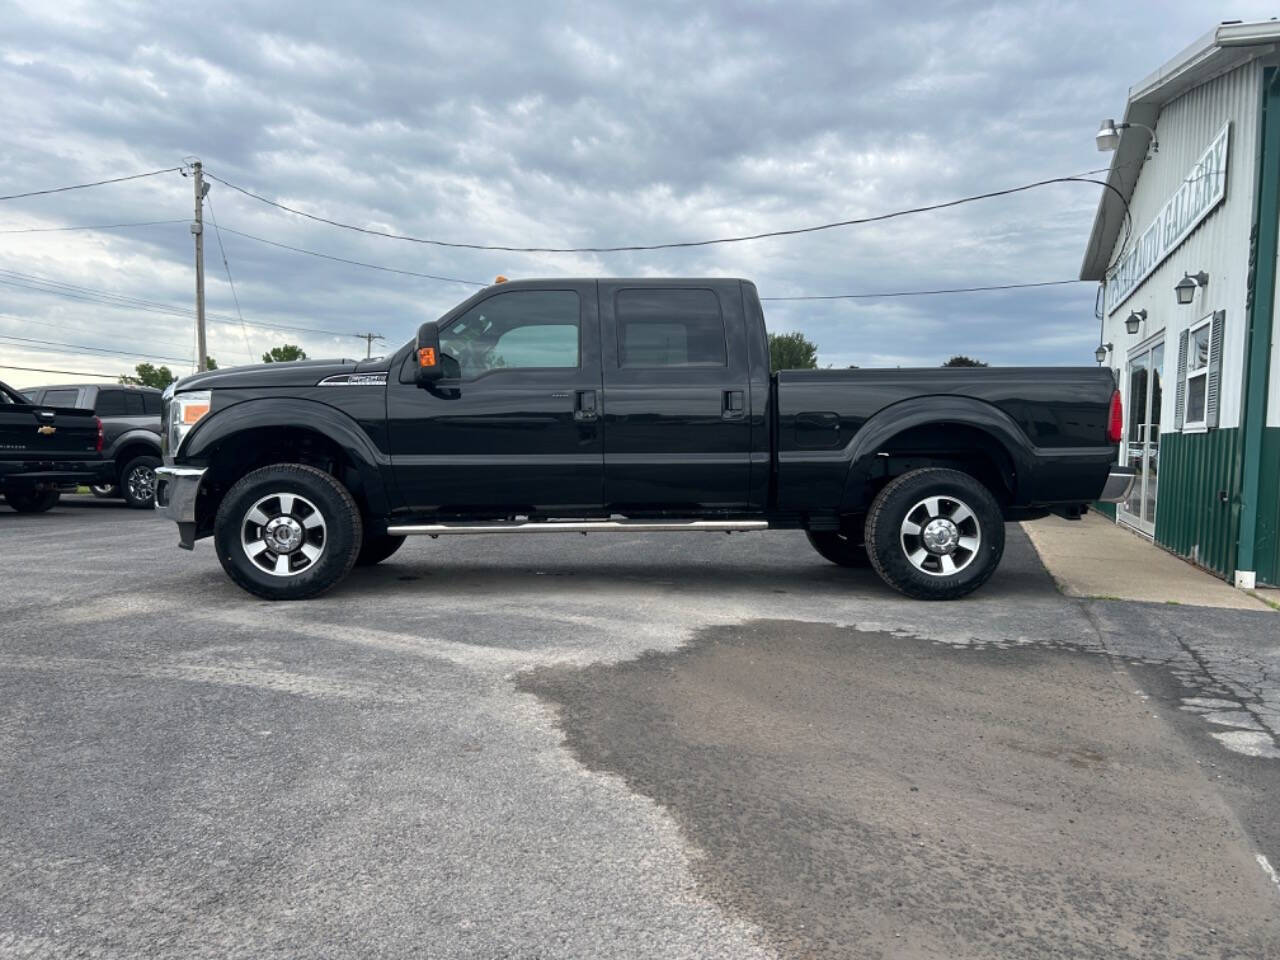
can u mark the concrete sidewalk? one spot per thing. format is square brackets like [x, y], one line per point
[1094, 557]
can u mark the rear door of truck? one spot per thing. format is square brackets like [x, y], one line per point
[676, 430]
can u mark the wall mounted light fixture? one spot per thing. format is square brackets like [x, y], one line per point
[1185, 289]
[1108, 136]
[1134, 321]
[1101, 353]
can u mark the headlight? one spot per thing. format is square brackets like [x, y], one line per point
[185, 411]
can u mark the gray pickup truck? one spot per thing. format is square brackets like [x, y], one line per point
[130, 434]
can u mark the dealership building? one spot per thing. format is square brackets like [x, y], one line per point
[1184, 245]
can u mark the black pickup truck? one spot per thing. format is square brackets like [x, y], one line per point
[579, 406]
[45, 450]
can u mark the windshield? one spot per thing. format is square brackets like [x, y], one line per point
[8, 395]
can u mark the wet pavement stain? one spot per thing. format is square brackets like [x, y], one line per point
[861, 793]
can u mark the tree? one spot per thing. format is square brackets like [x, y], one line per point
[284, 354]
[149, 375]
[959, 360]
[792, 351]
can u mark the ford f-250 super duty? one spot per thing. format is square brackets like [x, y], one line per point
[578, 406]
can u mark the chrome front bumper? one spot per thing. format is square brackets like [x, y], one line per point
[1119, 483]
[176, 491]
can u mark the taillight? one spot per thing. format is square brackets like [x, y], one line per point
[98, 421]
[1115, 429]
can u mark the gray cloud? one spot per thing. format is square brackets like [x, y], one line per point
[579, 124]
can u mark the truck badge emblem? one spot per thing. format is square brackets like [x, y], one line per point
[46, 430]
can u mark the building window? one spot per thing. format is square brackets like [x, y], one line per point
[1199, 347]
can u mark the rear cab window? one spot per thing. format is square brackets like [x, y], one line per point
[61, 398]
[678, 327]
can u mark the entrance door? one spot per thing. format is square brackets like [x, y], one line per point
[1142, 439]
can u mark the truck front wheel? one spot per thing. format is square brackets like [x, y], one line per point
[935, 534]
[287, 532]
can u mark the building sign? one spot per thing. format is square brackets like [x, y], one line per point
[1201, 190]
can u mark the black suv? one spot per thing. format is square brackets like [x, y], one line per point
[130, 433]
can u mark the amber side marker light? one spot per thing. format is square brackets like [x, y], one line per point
[426, 356]
[193, 412]
[499, 279]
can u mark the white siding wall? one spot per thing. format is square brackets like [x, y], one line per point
[1219, 245]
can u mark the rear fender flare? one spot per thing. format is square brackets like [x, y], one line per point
[878, 431]
[298, 414]
[138, 437]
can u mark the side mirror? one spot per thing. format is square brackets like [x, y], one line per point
[428, 368]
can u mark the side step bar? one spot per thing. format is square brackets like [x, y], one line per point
[581, 526]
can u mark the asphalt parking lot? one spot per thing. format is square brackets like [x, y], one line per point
[619, 746]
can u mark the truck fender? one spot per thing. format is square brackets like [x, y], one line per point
[936, 410]
[139, 436]
[299, 414]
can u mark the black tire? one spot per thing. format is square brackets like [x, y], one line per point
[32, 501]
[910, 498]
[376, 548]
[105, 491]
[327, 521]
[138, 482]
[844, 547]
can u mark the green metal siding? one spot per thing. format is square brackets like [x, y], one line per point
[1267, 548]
[1106, 509]
[1191, 519]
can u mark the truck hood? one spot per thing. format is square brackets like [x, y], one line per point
[300, 373]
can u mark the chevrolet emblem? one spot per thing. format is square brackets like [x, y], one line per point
[46, 431]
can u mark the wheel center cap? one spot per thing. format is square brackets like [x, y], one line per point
[940, 536]
[283, 534]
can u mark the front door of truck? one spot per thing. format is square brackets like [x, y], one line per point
[676, 430]
[513, 427]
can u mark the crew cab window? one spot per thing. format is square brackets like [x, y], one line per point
[61, 398]
[110, 403]
[151, 404]
[521, 329]
[133, 404]
[669, 328]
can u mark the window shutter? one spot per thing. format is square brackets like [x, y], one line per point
[1215, 370]
[1180, 404]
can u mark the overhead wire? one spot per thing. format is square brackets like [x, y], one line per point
[685, 244]
[95, 183]
[94, 226]
[74, 373]
[226, 266]
[37, 344]
[927, 293]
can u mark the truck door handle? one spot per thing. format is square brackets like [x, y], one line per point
[584, 407]
[733, 405]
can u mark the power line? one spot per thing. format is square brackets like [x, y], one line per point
[218, 233]
[81, 346]
[90, 295]
[96, 183]
[354, 263]
[96, 226]
[74, 373]
[625, 248]
[928, 293]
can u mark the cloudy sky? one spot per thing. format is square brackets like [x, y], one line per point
[574, 125]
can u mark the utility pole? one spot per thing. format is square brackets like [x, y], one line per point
[368, 339]
[197, 230]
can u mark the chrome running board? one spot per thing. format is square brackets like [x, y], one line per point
[580, 526]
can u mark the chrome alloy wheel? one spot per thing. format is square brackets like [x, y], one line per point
[283, 534]
[940, 536]
[141, 483]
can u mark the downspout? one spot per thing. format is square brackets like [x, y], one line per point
[1261, 310]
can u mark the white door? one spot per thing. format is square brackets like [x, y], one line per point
[1142, 436]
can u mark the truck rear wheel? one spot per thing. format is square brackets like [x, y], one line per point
[935, 534]
[844, 547]
[32, 501]
[138, 482]
[287, 532]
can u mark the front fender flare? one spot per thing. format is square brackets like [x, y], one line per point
[299, 414]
